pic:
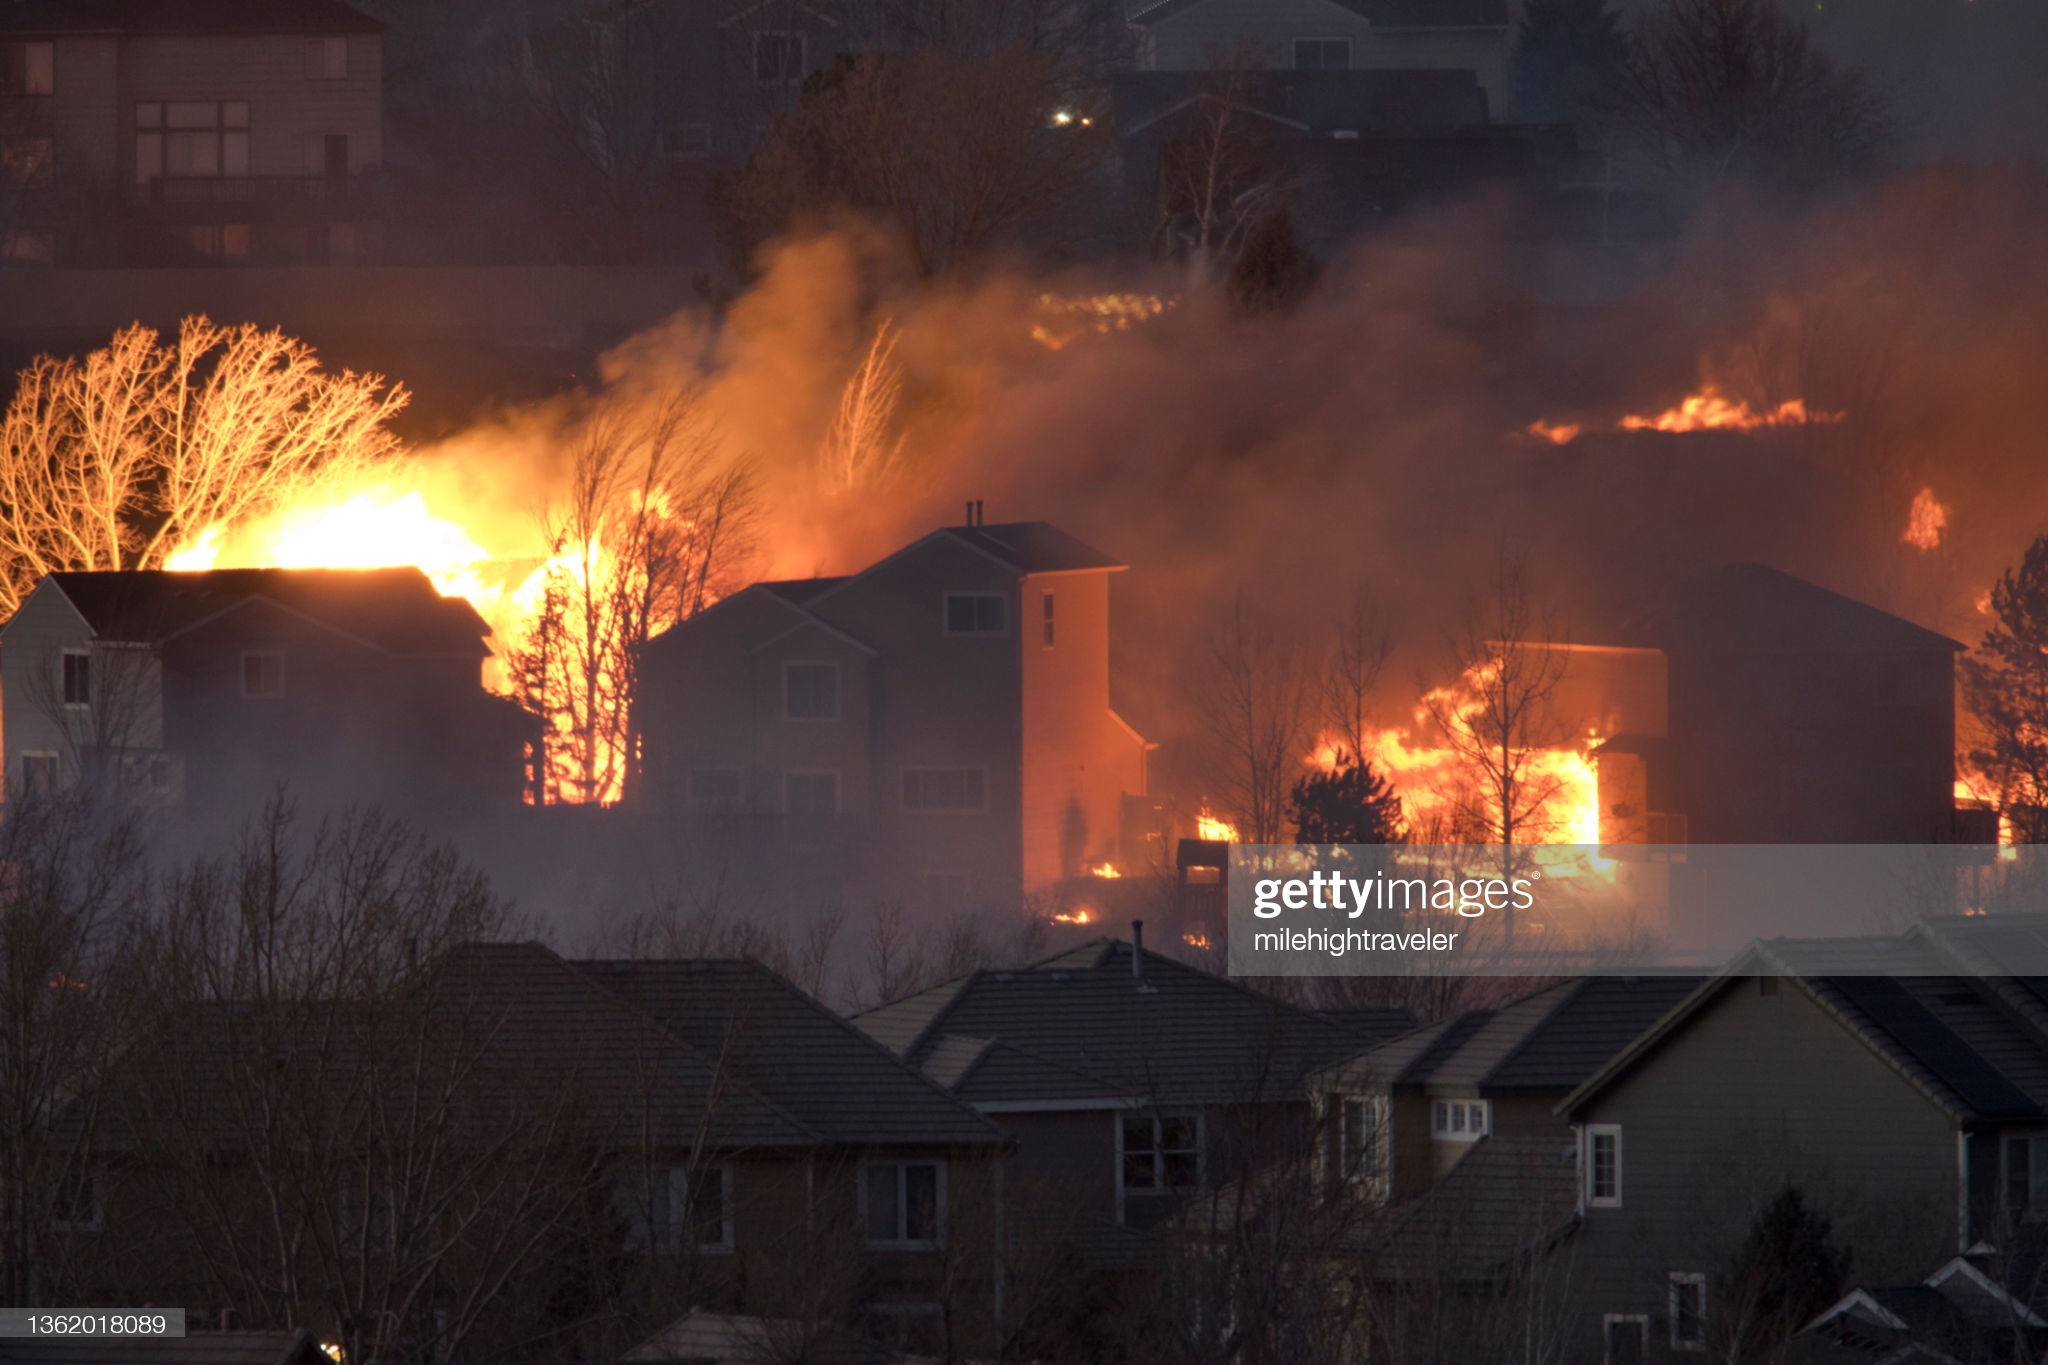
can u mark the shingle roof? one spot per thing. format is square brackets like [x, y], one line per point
[1033, 547]
[397, 609]
[1378, 13]
[1079, 1022]
[183, 16]
[1507, 1198]
[842, 1085]
[797, 591]
[1753, 608]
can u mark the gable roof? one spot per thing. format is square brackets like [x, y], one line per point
[1032, 547]
[1507, 1198]
[1549, 1040]
[397, 610]
[1952, 1037]
[842, 1085]
[184, 16]
[1753, 608]
[1078, 1027]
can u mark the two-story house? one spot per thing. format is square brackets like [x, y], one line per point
[936, 726]
[161, 133]
[1899, 1084]
[206, 690]
[1130, 1082]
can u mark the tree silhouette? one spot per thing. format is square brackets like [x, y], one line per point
[1349, 804]
[2005, 683]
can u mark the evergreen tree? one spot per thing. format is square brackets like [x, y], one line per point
[2005, 682]
[1570, 57]
[1349, 804]
[1786, 1272]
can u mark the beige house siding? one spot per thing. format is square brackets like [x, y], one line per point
[1753, 1093]
[126, 711]
[81, 110]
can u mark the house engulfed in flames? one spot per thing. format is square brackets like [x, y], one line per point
[935, 727]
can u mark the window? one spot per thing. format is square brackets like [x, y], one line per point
[327, 59]
[685, 141]
[1048, 621]
[945, 789]
[714, 787]
[1459, 1120]
[677, 1209]
[810, 691]
[39, 774]
[778, 58]
[31, 69]
[1322, 54]
[263, 673]
[77, 678]
[1625, 1338]
[191, 139]
[1603, 1165]
[1361, 1122]
[904, 1203]
[1688, 1311]
[75, 1205]
[28, 162]
[147, 772]
[1160, 1152]
[2026, 1176]
[974, 613]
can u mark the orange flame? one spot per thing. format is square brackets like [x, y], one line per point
[1199, 942]
[1712, 410]
[1106, 870]
[1925, 521]
[1554, 433]
[1083, 915]
[1211, 827]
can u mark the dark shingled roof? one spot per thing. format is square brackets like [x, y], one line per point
[1078, 1027]
[837, 1081]
[1378, 13]
[1507, 1198]
[183, 16]
[1753, 608]
[797, 591]
[397, 610]
[194, 1348]
[1033, 547]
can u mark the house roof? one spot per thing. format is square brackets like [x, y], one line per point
[797, 591]
[1951, 1036]
[1378, 13]
[1755, 609]
[183, 16]
[1033, 547]
[194, 1348]
[1311, 103]
[1507, 1198]
[397, 610]
[1077, 1027]
[1549, 1040]
[841, 1084]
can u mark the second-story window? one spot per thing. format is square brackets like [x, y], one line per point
[191, 139]
[1459, 1120]
[810, 691]
[1160, 1152]
[1047, 621]
[904, 1203]
[1603, 1164]
[263, 674]
[29, 69]
[974, 613]
[327, 59]
[1361, 1124]
[77, 678]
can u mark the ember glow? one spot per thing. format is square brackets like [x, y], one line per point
[1105, 870]
[1554, 433]
[1079, 915]
[1925, 521]
[1068, 316]
[1212, 828]
[1708, 410]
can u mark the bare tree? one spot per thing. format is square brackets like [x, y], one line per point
[1350, 677]
[117, 460]
[860, 450]
[655, 526]
[1255, 704]
[1222, 177]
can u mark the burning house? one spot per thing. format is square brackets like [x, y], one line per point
[204, 691]
[936, 725]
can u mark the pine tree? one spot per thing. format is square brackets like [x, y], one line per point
[1570, 57]
[2005, 682]
[1349, 804]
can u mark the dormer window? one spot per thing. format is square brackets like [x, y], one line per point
[1458, 1120]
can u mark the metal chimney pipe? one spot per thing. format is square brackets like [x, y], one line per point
[970, 512]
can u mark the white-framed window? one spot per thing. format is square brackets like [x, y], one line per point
[1603, 1165]
[1688, 1310]
[327, 59]
[1159, 1153]
[974, 613]
[28, 68]
[1322, 54]
[676, 1209]
[262, 674]
[1361, 1138]
[75, 1203]
[76, 677]
[685, 142]
[903, 1204]
[1624, 1338]
[1460, 1120]
[778, 57]
[810, 691]
[191, 139]
[147, 772]
[715, 788]
[945, 789]
[1046, 623]
[39, 773]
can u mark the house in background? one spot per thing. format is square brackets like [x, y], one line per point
[204, 691]
[935, 727]
[155, 132]
[1130, 1082]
